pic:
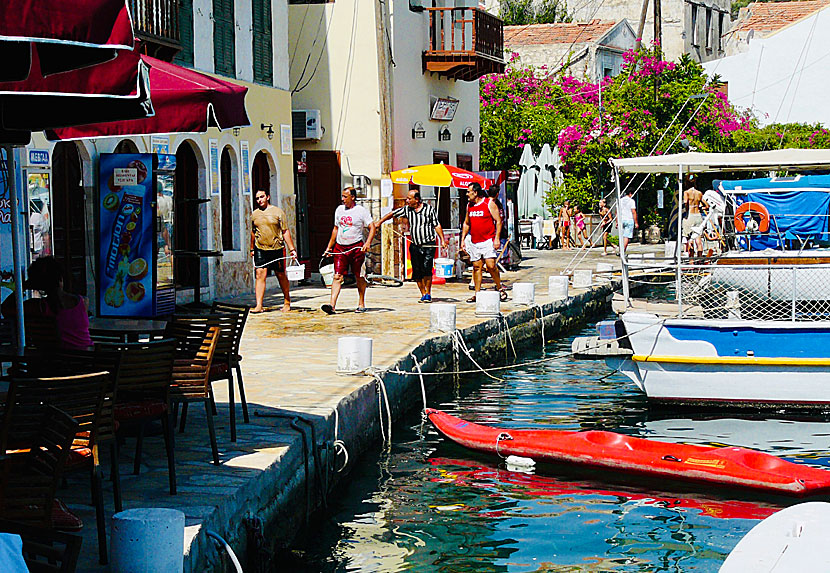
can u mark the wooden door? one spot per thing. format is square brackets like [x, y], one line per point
[69, 216]
[261, 178]
[322, 183]
[464, 162]
[186, 231]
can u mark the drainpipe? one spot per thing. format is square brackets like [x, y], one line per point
[383, 35]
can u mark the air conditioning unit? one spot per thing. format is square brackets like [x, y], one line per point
[305, 124]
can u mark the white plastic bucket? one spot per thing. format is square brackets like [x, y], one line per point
[441, 317]
[487, 303]
[354, 354]
[524, 293]
[327, 272]
[444, 268]
[604, 268]
[558, 287]
[295, 272]
[669, 249]
[582, 278]
[733, 304]
[147, 539]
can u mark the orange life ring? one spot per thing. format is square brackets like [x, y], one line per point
[751, 206]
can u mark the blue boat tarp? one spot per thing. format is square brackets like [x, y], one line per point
[798, 208]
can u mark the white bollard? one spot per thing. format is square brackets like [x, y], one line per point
[147, 539]
[582, 278]
[354, 354]
[441, 317]
[558, 287]
[670, 249]
[605, 268]
[487, 303]
[733, 304]
[524, 293]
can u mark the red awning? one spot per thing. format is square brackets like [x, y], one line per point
[185, 101]
[65, 34]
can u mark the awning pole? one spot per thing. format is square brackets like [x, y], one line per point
[18, 271]
[677, 247]
[626, 293]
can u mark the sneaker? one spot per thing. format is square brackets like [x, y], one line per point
[423, 297]
[360, 309]
[426, 298]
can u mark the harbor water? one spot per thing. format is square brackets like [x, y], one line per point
[427, 504]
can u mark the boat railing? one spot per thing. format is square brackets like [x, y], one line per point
[799, 293]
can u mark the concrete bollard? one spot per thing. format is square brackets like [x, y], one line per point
[670, 249]
[582, 278]
[147, 539]
[487, 303]
[558, 287]
[605, 268]
[354, 354]
[524, 293]
[441, 317]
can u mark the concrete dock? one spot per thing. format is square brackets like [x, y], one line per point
[268, 483]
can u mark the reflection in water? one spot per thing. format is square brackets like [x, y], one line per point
[430, 505]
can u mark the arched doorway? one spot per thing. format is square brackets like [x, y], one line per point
[261, 176]
[126, 146]
[226, 200]
[186, 209]
[69, 215]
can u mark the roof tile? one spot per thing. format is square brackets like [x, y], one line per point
[772, 16]
[562, 33]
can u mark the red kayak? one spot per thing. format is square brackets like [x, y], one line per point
[730, 466]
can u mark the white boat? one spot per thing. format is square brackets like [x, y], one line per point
[751, 328]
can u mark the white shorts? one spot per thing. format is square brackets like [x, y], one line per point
[482, 250]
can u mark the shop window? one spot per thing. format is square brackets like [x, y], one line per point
[229, 202]
[224, 48]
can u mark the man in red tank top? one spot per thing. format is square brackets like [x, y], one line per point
[480, 237]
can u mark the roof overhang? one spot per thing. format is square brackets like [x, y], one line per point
[713, 162]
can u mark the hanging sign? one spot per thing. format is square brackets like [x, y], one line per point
[246, 168]
[160, 144]
[659, 198]
[213, 150]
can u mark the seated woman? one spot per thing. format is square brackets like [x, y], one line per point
[70, 310]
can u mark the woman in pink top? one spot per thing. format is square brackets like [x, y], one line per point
[70, 310]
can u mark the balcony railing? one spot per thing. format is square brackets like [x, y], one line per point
[156, 21]
[464, 43]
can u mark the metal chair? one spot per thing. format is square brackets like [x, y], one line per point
[234, 358]
[45, 550]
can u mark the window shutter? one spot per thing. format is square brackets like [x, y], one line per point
[224, 49]
[185, 55]
[262, 48]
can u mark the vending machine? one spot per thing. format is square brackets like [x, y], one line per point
[135, 235]
[37, 174]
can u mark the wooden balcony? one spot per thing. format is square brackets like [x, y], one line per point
[464, 43]
[156, 24]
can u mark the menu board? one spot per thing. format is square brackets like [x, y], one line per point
[125, 234]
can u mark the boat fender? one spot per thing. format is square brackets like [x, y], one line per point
[520, 464]
[754, 207]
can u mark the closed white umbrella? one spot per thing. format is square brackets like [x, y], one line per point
[527, 183]
[545, 162]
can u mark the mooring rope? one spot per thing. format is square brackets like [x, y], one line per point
[463, 345]
[338, 443]
[423, 385]
[386, 435]
[508, 336]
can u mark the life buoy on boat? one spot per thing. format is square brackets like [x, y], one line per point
[753, 207]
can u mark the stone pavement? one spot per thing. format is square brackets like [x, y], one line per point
[288, 367]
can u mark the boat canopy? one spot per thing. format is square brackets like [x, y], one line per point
[696, 162]
[817, 183]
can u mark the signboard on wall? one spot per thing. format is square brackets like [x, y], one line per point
[6, 259]
[213, 150]
[442, 108]
[246, 168]
[285, 139]
[160, 144]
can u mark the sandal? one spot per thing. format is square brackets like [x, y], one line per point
[503, 295]
[472, 299]
[327, 308]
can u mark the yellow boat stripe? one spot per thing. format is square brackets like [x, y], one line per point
[734, 360]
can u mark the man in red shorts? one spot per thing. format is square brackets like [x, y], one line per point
[346, 244]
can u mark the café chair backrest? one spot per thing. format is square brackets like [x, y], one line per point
[241, 313]
[191, 374]
[189, 330]
[144, 369]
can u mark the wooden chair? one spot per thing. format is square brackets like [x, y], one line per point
[234, 358]
[191, 374]
[29, 476]
[41, 331]
[144, 376]
[82, 396]
[45, 550]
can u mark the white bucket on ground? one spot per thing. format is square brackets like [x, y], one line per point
[558, 287]
[295, 272]
[444, 268]
[605, 268]
[733, 304]
[327, 272]
[582, 278]
[524, 293]
[354, 354]
[441, 317]
[147, 539]
[487, 303]
[669, 249]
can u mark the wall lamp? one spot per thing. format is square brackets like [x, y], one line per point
[444, 134]
[418, 131]
[468, 136]
[236, 131]
[269, 131]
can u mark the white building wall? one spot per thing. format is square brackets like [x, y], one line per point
[244, 40]
[203, 35]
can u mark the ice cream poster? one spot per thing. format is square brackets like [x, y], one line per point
[6, 258]
[125, 234]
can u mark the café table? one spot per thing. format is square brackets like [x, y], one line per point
[126, 329]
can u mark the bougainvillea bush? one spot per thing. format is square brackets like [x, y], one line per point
[651, 107]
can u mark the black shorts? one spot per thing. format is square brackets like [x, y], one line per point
[606, 228]
[421, 258]
[271, 260]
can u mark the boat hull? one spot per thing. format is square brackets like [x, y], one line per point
[728, 362]
[729, 466]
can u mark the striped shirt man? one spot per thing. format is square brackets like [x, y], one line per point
[422, 222]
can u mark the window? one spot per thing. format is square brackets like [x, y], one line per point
[229, 202]
[720, 31]
[708, 28]
[694, 26]
[224, 50]
[263, 56]
[185, 55]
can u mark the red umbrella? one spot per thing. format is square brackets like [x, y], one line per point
[185, 101]
[65, 34]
